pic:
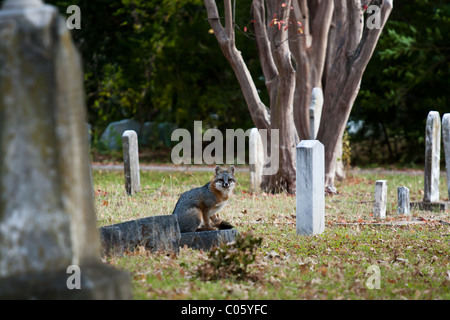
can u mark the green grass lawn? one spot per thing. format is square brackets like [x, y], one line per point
[413, 260]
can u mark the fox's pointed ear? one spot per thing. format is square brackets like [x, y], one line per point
[217, 170]
[231, 169]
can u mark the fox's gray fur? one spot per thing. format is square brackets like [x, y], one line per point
[197, 208]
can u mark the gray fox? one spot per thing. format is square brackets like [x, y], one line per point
[196, 209]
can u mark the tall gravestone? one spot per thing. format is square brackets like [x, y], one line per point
[310, 187]
[47, 218]
[432, 164]
[256, 159]
[379, 208]
[131, 162]
[432, 157]
[446, 138]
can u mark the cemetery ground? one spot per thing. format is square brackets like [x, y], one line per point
[412, 256]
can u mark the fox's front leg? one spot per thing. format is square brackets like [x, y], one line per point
[215, 220]
[207, 221]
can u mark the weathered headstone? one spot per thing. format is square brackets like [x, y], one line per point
[379, 208]
[113, 133]
[153, 233]
[159, 233]
[315, 111]
[310, 187]
[404, 206]
[131, 162]
[256, 159]
[431, 200]
[446, 138]
[165, 130]
[148, 134]
[47, 217]
[432, 157]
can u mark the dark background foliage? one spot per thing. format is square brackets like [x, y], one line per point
[158, 61]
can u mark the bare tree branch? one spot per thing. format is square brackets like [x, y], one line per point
[214, 21]
[320, 27]
[258, 111]
[302, 14]
[355, 16]
[348, 60]
[262, 42]
[229, 24]
[309, 50]
[370, 37]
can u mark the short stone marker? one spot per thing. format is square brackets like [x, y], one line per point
[310, 187]
[256, 159]
[153, 233]
[206, 240]
[404, 206]
[114, 131]
[47, 216]
[379, 208]
[446, 139]
[131, 162]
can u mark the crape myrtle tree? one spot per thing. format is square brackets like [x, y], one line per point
[303, 44]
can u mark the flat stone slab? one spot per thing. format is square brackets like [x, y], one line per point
[206, 240]
[431, 206]
[153, 233]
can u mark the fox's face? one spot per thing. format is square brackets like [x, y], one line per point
[224, 180]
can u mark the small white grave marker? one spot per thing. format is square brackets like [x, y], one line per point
[403, 200]
[379, 209]
[256, 159]
[310, 187]
[315, 111]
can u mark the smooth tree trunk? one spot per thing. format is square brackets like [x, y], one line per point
[309, 51]
[282, 110]
[303, 44]
[350, 48]
[281, 84]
